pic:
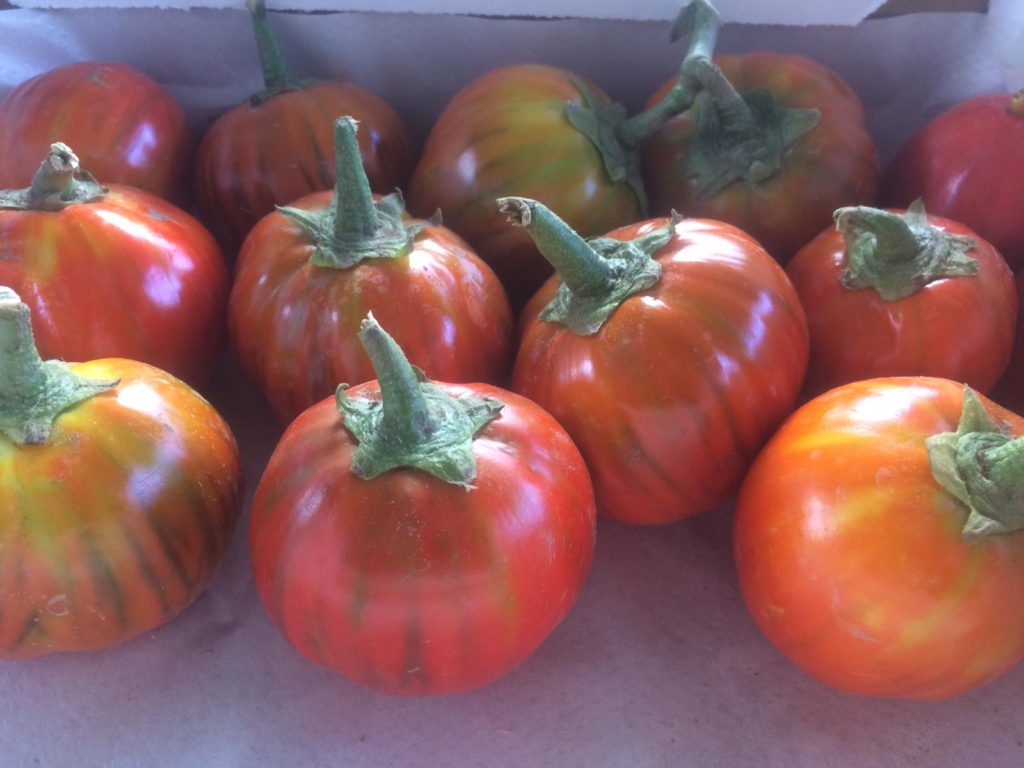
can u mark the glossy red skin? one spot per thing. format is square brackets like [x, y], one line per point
[967, 164]
[124, 127]
[295, 326]
[1010, 390]
[411, 585]
[832, 166]
[260, 155]
[850, 555]
[671, 400]
[505, 134]
[128, 276]
[120, 520]
[958, 328]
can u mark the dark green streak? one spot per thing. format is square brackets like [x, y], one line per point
[32, 627]
[529, 162]
[313, 184]
[172, 484]
[106, 582]
[726, 330]
[151, 576]
[263, 171]
[20, 534]
[688, 360]
[194, 500]
[326, 180]
[651, 462]
[485, 536]
[360, 595]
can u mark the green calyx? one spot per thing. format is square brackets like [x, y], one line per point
[617, 138]
[33, 392]
[899, 254]
[57, 184]
[599, 121]
[277, 75]
[596, 275]
[355, 226]
[982, 466]
[415, 423]
[740, 137]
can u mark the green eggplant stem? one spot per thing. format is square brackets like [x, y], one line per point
[405, 413]
[22, 371]
[898, 254]
[355, 215]
[33, 391]
[57, 184]
[579, 266]
[596, 275]
[701, 21]
[56, 174]
[277, 75]
[355, 227]
[415, 423]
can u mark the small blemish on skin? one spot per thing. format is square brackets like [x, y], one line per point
[155, 214]
[57, 605]
[97, 77]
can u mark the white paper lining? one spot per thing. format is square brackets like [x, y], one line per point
[792, 12]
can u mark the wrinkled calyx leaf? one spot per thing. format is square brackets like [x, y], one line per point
[982, 465]
[899, 254]
[355, 226]
[416, 423]
[596, 275]
[600, 122]
[33, 392]
[740, 137]
[58, 183]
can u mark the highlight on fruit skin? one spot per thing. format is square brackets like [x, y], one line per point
[437, 532]
[878, 538]
[121, 490]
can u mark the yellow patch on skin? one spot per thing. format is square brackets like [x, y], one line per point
[947, 605]
[44, 258]
[852, 511]
[814, 441]
[873, 618]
